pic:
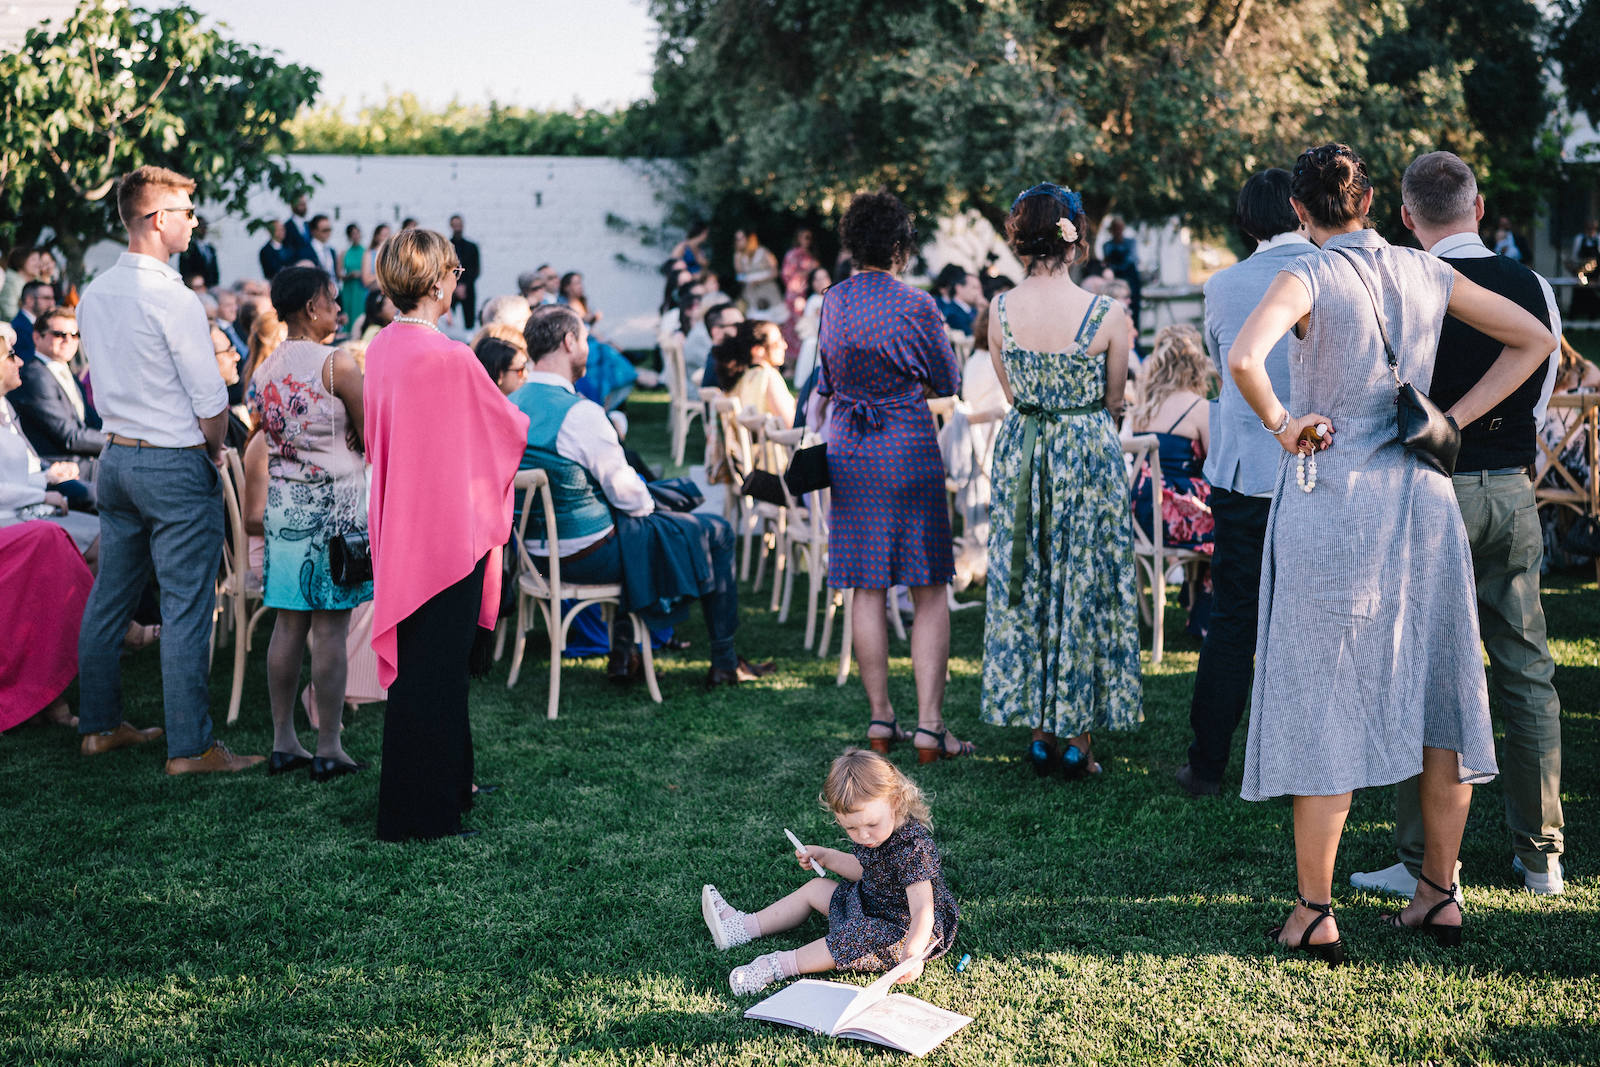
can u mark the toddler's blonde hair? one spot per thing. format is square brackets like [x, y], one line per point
[859, 777]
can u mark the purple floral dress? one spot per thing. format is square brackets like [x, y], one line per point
[868, 920]
[884, 346]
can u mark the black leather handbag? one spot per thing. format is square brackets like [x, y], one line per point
[350, 558]
[1425, 431]
[808, 470]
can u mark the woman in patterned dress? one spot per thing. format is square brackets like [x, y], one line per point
[1061, 642]
[307, 397]
[884, 351]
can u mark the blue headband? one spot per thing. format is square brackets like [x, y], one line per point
[1071, 201]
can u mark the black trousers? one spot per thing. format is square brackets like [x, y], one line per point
[1227, 658]
[426, 781]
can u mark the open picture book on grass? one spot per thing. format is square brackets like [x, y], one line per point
[866, 1013]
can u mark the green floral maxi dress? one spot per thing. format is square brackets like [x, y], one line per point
[1061, 639]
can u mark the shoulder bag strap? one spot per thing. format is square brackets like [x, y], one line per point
[1383, 330]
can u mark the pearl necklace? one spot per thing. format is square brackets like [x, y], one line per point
[416, 322]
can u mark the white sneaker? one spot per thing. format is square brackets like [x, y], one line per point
[727, 930]
[1551, 884]
[756, 975]
[1396, 881]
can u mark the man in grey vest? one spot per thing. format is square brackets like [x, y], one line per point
[592, 483]
[1441, 205]
[1242, 469]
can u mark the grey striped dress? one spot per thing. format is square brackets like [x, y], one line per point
[1367, 648]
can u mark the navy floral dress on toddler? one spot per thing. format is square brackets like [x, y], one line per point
[868, 920]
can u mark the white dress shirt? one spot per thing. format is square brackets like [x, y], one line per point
[587, 438]
[1470, 246]
[148, 344]
[325, 258]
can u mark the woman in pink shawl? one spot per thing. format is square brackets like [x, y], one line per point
[445, 445]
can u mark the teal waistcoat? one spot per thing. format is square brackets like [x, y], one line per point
[581, 507]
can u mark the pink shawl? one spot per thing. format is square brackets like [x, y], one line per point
[445, 446]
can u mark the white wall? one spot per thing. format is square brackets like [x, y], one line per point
[521, 210]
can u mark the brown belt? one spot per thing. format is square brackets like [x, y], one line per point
[134, 442]
[586, 550]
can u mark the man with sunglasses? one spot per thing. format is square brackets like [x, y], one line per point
[165, 410]
[55, 412]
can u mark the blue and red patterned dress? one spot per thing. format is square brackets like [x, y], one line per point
[884, 349]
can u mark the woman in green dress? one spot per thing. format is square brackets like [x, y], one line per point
[1061, 643]
[352, 292]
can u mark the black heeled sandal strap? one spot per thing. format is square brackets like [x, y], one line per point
[1324, 911]
[1451, 896]
[891, 724]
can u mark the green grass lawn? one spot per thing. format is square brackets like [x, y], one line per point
[254, 920]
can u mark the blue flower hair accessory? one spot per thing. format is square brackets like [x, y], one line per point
[1069, 200]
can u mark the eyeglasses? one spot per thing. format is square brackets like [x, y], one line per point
[458, 271]
[12, 355]
[519, 369]
[61, 335]
[187, 212]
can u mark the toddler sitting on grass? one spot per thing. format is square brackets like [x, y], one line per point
[892, 904]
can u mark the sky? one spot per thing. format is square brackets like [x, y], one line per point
[530, 53]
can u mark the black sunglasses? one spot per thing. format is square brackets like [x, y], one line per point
[188, 212]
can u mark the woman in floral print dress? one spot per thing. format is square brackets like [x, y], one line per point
[1061, 644]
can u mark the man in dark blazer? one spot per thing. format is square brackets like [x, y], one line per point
[467, 287]
[297, 233]
[55, 414]
[274, 255]
[37, 298]
[200, 258]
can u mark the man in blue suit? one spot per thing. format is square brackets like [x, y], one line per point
[36, 299]
[297, 234]
[1242, 469]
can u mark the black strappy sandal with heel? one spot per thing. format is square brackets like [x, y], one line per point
[1331, 953]
[1445, 936]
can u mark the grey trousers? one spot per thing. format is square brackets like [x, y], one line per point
[1507, 548]
[160, 510]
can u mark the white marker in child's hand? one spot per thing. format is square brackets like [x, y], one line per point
[800, 847]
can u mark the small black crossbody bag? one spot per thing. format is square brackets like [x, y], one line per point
[1425, 431]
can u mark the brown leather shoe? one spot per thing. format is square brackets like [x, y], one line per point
[744, 672]
[124, 735]
[215, 758]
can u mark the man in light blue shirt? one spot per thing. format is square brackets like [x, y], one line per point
[1242, 468]
[164, 407]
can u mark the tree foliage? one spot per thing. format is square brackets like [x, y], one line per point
[403, 126]
[1151, 107]
[1577, 49]
[118, 87]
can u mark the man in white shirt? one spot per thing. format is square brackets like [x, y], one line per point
[1441, 205]
[164, 408]
[571, 439]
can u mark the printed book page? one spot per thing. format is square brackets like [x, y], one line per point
[867, 1013]
[904, 1022]
[809, 1004]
